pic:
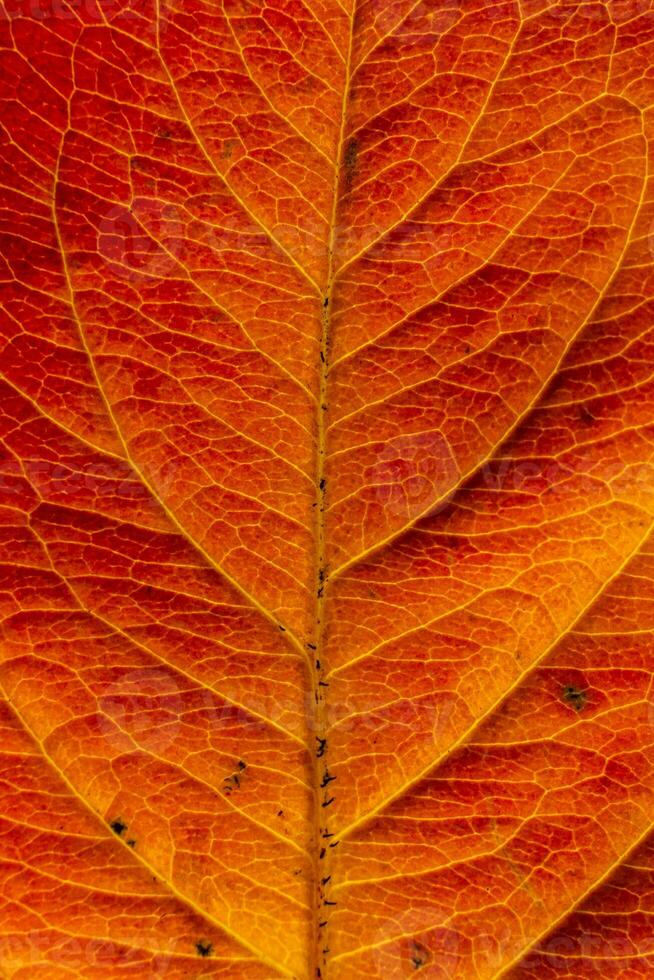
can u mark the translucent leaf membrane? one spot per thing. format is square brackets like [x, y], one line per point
[327, 428]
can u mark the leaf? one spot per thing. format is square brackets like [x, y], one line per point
[327, 426]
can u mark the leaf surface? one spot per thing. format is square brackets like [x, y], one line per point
[326, 414]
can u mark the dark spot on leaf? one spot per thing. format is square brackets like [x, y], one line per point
[204, 949]
[420, 955]
[118, 827]
[586, 416]
[574, 696]
[131, 842]
[350, 162]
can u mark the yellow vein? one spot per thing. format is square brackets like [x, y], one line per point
[477, 723]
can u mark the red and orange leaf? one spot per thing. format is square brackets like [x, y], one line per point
[327, 489]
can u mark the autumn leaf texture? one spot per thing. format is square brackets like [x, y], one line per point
[327, 490]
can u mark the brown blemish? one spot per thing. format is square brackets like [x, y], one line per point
[574, 696]
[350, 163]
[420, 955]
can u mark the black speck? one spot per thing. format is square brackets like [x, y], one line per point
[420, 955]
[204, 949]
[118, 827]
[574, 696]
[131, 842]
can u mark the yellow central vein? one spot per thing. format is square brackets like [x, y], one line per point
[321, 770]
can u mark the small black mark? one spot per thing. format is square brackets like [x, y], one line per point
[323, 483]
[322, 747]
[326, 835]
[574, 696]
[204, 949]
[317, 665]
[327, 778]
[324, 408]
[131, 842]
[282, 628]
[322, 357]
[328, 802]
[322, 853]
[326, 880]
[325, 302]
[323, 683]
[312, 646]
[420, 956]
[231, 783]
[325, 902]
[280, 813]
[118, 827]
[164, 134]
